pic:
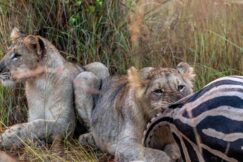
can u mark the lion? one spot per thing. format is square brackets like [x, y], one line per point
[127, 103]
[49, 88]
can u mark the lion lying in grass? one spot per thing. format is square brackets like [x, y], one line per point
[48, 79]
[118, 120]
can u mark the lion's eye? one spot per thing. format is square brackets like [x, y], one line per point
[180, 87]
[15, 56]
[158, 91]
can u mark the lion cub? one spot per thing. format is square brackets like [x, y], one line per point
[48, 79]
[126, 104]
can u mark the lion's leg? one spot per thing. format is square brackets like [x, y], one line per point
[87, 139]
[99, 69]
[136, 152]
[155, 155]
[173, 151]
[16, 135]
[86, 86]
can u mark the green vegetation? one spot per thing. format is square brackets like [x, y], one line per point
[206, 33]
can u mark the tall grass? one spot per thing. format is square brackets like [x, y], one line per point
[206, 33]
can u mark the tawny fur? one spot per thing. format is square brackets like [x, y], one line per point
[124, 107]
[49, 88]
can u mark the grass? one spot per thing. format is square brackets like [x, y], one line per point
[68, 151]
[206, 33]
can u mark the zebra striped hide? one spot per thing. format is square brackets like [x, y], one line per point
[207, 125]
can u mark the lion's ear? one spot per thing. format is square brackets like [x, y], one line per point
[186, 70]
[144, 72]
[36, 44]
[15, 34]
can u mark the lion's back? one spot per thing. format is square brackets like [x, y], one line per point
[106, 115]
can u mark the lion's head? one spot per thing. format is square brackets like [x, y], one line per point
[159, 87]
[23, 55]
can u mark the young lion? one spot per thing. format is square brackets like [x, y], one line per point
[125, 106]
[49, 90]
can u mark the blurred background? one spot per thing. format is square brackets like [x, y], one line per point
[208, 34]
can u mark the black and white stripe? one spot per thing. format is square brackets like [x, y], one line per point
[207, 125]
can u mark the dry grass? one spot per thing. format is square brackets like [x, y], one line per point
[67, 152]
[206, 33]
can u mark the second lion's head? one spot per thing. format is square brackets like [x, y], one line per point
[159, 87]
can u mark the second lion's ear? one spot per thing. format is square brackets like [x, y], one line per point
[36, 44]
[15, 34]
[186, 70]
[144, 72]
